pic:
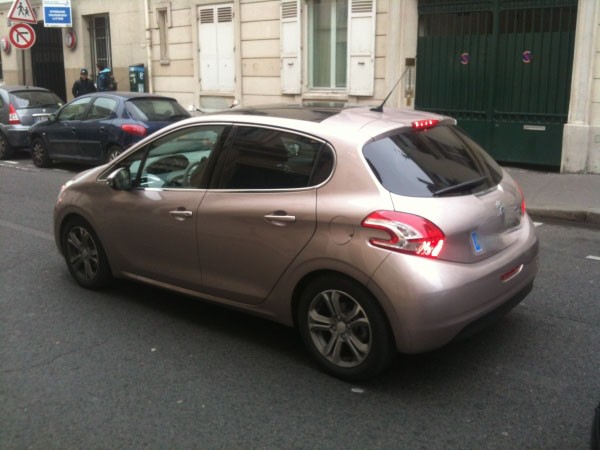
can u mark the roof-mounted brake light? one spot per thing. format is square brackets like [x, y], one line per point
[424, 124]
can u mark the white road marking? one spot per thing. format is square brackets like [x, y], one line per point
[538, 224]
[595, 258]
[26, 230]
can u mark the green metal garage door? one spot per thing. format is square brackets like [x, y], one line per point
[503, 69]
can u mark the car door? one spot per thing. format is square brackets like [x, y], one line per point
[152, 227]
[62, 134]
[258, 215]
[95, 128]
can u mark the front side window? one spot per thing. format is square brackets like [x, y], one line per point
[264, 159]
[177, 160]
[328, 43]
[75, 110]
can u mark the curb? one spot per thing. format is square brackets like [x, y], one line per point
[587, 217]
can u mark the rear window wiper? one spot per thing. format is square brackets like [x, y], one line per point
[466, 185]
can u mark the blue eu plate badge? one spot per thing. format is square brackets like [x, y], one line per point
[475, 241]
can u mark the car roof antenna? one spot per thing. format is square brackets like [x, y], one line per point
[380, 107]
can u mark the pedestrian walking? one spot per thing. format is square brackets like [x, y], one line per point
[84, 85]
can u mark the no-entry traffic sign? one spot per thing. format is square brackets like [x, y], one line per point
[22, 36]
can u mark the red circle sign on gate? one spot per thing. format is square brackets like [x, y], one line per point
[22, 36]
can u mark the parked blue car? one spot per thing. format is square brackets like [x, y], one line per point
[95, 128]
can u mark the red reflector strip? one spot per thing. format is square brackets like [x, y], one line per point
[424, 124]
[512, 273]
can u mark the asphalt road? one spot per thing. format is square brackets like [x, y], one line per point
[135, 367]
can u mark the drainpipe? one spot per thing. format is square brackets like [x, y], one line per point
[148, 47]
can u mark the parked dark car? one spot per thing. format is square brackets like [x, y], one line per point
[21, 107]
[95, 128]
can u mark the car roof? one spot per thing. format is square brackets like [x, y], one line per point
[125, 95]
[348, 119]
[19, 87]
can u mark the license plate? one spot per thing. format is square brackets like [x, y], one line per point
[476, 244]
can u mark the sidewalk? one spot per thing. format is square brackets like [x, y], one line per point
[561, 196]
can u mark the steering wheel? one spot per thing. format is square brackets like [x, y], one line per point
[194, 170]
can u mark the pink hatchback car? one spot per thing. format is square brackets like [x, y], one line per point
[370, 231]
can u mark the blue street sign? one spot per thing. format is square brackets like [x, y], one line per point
[57, 13]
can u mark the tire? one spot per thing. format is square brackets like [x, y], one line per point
[6, 151]
[84, 255]
[39, 153]
[344, 328]
[112, 153]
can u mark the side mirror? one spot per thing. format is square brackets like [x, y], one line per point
[120, 179]
[52, 118]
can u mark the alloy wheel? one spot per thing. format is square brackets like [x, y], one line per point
[339, 328]
[82, 254]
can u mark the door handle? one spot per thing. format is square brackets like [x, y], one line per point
[279, 218]
[181, 214]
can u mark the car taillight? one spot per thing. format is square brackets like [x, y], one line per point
[13, 117]
[523, 208]
[424, 124]
[136, 130]
[407, 233]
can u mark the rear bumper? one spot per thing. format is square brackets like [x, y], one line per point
[432, 302]
[17, 136]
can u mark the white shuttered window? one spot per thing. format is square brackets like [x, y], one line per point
[361, 51]
[216, 42]
[291, 70]
[341, 46]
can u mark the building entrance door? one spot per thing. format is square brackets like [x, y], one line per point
[47, 60]
[502, 68]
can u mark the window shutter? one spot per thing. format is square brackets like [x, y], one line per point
[226, 46]
[291, 79]
[216, 41]
[361, 37]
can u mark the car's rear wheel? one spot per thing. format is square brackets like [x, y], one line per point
[112, 153]
[84, 255]
[39, 153]
[344, 328]
[6, 151]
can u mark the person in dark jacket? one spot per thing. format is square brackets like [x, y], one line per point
[84, 85]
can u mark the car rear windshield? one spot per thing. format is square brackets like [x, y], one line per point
[35, 99]
[155, 109]
[440, 161]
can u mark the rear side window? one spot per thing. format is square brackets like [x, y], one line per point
[155, 109]
[440, 161]
[264, 158]
[35, 99]
[102, 108]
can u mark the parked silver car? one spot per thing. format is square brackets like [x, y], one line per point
[370, 231]
[21, 107]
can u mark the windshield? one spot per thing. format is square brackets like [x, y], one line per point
[440, 161]
[155, 109]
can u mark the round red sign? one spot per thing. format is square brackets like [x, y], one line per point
[22, 36]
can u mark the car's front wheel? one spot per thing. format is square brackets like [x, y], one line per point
[39, 153]
[84, 255]
[6, 151]
[344, 328]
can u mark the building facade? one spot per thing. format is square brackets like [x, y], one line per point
[523, 77]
